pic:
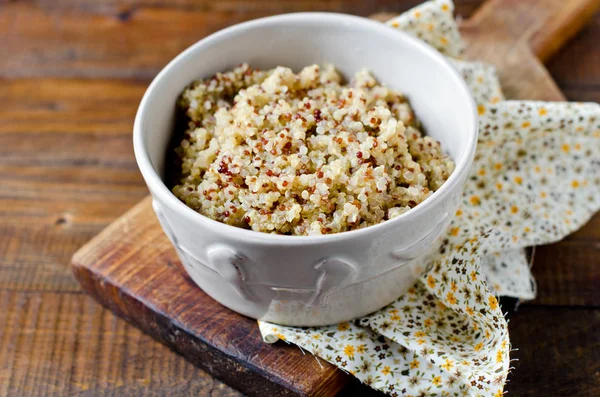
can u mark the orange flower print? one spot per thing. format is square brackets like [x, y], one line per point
[386, 370]
[414, 364]
[349, 351]
[431, 281]
[451, 298]
[475, 200]
[499, 356]
[493, 302]
[437, 380]
[448, 364]
[343, 326]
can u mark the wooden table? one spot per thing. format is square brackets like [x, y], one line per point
[73, 73]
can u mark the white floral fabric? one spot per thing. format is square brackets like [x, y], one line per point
[507, 274]
[433, 22]
[482, 79]
[535, 179]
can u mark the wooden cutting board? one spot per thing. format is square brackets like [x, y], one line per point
[131, 268]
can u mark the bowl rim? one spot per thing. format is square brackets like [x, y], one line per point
[167, 197]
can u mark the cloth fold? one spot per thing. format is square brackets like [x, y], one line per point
[535, 179]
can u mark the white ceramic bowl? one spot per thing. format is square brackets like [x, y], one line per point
[314, 280]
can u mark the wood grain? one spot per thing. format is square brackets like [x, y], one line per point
[118, 39]
[558, 352]
[81, 349]
[513, 34]
[67, 170]
[575, 66]
[357, 7]
[567, 273]
[54, 340]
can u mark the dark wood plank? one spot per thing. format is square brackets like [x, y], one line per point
[130, 267]
[36, 261]
[358, 7]
[582, 94]
[561, 27]
[58, 344]
[67, 170]
[575, 66]
[590, 232]
[567, 274]
[121, 39]
[511, 34]
[559, 352]
[33, 51]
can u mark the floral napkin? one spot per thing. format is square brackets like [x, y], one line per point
[535, 179]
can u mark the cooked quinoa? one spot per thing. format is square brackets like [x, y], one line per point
[305, 153]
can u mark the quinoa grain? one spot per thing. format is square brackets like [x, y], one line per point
[303, 154]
